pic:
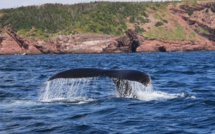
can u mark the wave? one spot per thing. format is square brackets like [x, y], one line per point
[78, 100]
[18, 103]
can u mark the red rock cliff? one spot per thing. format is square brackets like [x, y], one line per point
[201, 22]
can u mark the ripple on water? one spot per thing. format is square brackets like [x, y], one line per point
[183, 101]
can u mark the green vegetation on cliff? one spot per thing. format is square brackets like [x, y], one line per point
[151, 19]
[96, 17]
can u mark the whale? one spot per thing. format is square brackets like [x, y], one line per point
[119, 76]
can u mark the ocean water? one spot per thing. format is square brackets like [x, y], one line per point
[180, 100]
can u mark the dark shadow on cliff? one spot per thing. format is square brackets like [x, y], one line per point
[127, 43]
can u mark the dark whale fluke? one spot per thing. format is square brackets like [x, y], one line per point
[118, 76]
[133, 75]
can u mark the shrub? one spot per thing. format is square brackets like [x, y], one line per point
[190, 12]
[159, 24]
[138, 29]
[132, 19]
[142, 20]
[165, 21]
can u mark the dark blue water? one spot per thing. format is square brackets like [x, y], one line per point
[185, 81]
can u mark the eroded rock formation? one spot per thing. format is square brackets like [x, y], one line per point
[128, 43]
[201, 21]
[95, 43]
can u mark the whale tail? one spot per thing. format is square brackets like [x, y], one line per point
[78, 73]
[124, 88]
[120, 78]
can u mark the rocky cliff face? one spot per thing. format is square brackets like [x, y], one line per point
[10, 43]
[171, 46]
[199, 18]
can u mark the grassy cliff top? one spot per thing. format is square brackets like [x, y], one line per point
[150, 19]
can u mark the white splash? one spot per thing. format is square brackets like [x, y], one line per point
[148, 93]
[67, 90]
[82, 90]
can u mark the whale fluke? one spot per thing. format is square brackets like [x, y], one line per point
[117, 75]
[78, 73]
[133, 75]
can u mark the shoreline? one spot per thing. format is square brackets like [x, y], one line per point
[97, 43]
[180, 27]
